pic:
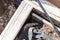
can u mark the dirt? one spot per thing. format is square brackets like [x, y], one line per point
[50, 31]
[2, 8]
[5, 17]
[1, 28]
[6, 13]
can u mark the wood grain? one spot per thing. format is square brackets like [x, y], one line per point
[55, 2]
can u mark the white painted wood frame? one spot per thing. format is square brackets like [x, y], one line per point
[16, 22]
[53, 12]
[20, 16]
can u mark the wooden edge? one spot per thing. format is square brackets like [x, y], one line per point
[53, 12]
[16, 22]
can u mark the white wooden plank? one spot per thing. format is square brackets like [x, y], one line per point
[16, 22]
[44, 21]
[18, 19]
[53, 12]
